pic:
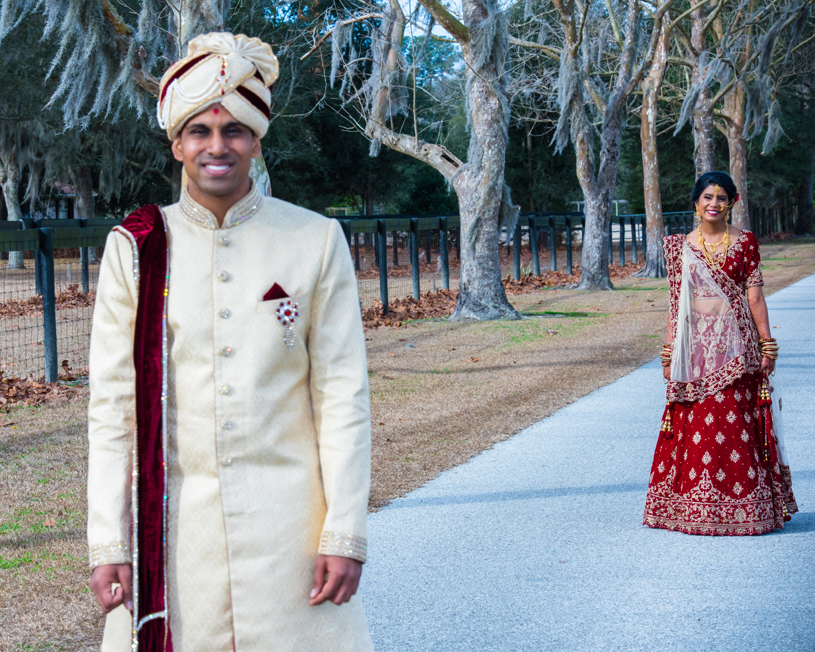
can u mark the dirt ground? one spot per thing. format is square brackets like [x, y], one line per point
[441, 392]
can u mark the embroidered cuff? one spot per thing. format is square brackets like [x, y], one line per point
[344, 545]
[113, 552]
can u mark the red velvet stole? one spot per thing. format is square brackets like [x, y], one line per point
[146, 225]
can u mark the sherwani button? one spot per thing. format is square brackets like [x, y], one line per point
[223, 277]
[226, 425]
[224, 389]
[223, 241]
[224, 313]
[227, 461]
[226, 351]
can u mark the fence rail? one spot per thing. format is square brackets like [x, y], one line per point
[59, 271]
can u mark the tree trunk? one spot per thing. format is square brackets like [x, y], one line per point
[84, 204]
[195, 17]
[10, 180]
[703, 151]
[530, 180]
[654, 227]
[480, 183]
[804, 219]
[734, 108]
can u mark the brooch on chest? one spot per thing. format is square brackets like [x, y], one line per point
[286, 315]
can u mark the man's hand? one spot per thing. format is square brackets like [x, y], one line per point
[102, 581]
[342, 581]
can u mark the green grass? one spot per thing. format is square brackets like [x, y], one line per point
[8, 564]
[529, 332]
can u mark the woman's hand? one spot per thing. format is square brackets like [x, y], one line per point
[767, 366]
[666, 373]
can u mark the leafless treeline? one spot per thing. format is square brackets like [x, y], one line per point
[581, 69]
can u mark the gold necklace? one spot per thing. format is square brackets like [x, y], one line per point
[718, 259]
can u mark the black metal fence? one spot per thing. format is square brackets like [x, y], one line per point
[539, 230]
[47, 294]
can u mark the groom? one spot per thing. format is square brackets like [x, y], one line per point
[229, 424]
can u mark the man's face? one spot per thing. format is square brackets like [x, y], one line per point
[216, 151]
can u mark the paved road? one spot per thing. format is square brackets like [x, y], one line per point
[538, 543]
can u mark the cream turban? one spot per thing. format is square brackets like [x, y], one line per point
[232, 69]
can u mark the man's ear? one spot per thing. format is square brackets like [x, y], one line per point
[178, 153]
[256, 149]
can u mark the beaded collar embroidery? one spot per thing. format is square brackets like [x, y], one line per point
[239, 213]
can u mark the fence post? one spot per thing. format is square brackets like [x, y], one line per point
[445, 262]
[622, 240]
[382, 233]
[346, 230]
[634, 255]
[427, 242]
[414, 257]
[356, 251]
[516, 251]
[534, 246]
[83, 261]
[38, 271]
[552, 244]
[395, 249]
[569, 245]
[49, 312]
[458, 243]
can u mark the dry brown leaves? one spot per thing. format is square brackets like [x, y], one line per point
[777, 237]
[429, 306]
[434, 305]
[70, 298]
[17, 392]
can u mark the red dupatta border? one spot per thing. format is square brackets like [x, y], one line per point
[149, 500]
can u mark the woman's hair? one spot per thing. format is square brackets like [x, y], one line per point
[711, 179]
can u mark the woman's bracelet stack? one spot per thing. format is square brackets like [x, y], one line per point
[769, 348]
[667, 349]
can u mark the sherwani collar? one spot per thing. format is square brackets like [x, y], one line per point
[239, 213]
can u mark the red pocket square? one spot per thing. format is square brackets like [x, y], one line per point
[275, 292]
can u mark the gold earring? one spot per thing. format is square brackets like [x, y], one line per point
[698, 216]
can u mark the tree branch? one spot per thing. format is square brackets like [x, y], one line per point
[552, 53]
[453, 25]
[689, 12]
[614, 25]
[350, 21]
[437, 156]
[124, 33]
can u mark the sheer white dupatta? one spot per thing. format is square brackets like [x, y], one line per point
[707, 334]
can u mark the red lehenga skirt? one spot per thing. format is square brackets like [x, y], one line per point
[712, 477]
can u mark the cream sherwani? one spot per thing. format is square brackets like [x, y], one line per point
[269, 448]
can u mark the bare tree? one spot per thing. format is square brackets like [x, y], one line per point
[602, 57]
[743, 38]
[384, 97]
[651, 86]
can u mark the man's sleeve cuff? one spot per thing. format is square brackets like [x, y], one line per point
[341, 544]
[113, 552]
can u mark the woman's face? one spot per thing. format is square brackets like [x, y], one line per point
[713, 204]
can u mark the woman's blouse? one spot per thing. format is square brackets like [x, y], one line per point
[741, 270]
